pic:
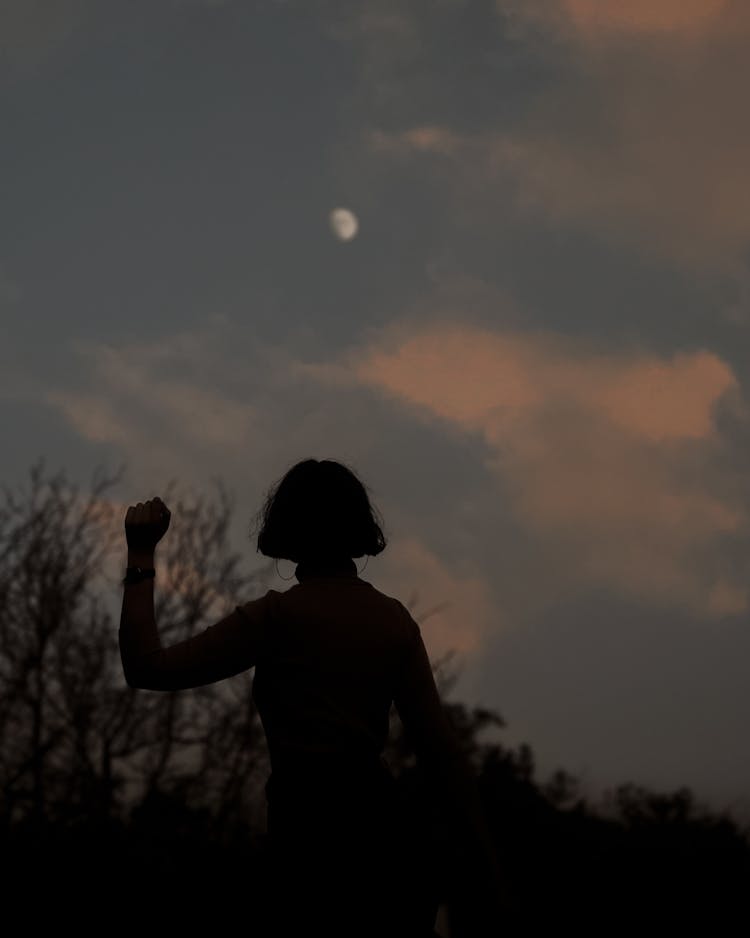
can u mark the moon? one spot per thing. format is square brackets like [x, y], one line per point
[344, 223]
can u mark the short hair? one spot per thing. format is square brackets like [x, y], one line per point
[318, 508]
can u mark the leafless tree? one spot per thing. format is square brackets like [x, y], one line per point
[75, 740]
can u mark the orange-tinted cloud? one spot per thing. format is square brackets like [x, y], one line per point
[642, 140]
[603, 455]
[455, 610]
[600, 20]
[485, 379]
[422, 138]
[134, 388]
[641, 15]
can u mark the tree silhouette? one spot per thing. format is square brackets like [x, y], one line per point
[75, 741]
[58, 718]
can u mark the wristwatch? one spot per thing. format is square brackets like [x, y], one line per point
[136, 574]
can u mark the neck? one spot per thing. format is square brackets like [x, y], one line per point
[325, 566]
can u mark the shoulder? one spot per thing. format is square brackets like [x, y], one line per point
[411, 626]
[407, 625]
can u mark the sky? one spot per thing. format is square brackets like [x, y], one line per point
[533, 349]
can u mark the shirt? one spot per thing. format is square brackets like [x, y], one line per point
[331, 654]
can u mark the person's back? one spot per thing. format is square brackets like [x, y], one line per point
[336, 650]
[325, 682]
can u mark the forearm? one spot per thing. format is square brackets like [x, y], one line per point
[138, 635]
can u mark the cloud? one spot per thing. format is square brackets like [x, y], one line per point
[169, 407]
[596, 20]
[611, 460]
[597, 16]
[159, 402]
[640, 139]
[426, 138]
[94, 418]
[183, 412]
[484, 378]
[455, 610]
[658, 163]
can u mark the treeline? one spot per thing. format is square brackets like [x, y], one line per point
[119, 805]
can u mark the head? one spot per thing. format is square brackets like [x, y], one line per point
[319, 509]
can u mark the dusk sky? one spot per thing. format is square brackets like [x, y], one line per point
[533, 349]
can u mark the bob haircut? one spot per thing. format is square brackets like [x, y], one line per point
[319, 509]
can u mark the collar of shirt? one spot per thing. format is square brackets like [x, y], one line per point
[307, 569]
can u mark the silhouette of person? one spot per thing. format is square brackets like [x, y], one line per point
[331, 654]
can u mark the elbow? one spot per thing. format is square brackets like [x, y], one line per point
[134, 678]
[132, 681]
[144, 680]
[135, 674]
[127, 673]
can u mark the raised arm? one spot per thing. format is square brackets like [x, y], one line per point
[230, 646]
